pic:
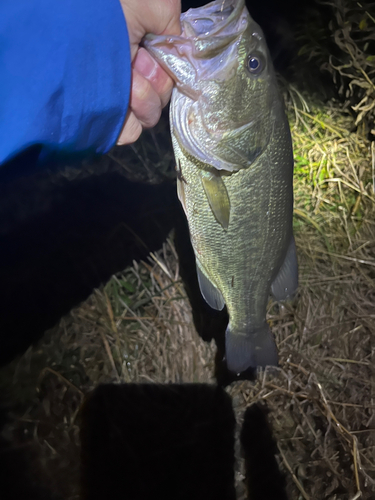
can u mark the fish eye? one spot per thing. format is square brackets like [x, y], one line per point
[255, 64]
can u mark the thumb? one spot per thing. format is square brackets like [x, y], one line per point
[151, 16]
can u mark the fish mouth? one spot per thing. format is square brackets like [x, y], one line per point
[206, 48]
[226, 19]
[212, 19]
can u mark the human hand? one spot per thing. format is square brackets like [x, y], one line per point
[151, 87]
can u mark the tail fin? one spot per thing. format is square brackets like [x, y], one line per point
[249, 350]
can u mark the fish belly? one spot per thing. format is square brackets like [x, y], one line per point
[243, 260]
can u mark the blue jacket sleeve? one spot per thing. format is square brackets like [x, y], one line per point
[64, 76]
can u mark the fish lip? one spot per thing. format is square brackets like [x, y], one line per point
[187, 18]
[201, 47]
[238, 6]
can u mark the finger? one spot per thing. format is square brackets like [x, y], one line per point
[144, 109]
[131, 131]
[144, 101]
[151, 16]
[160, 81]
[164, 17]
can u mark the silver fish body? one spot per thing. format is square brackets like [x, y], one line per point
[234, 154]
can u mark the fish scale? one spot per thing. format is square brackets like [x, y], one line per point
[233, 148]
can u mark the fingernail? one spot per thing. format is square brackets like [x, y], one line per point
[145, 64]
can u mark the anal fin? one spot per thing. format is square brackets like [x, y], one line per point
[285, 284]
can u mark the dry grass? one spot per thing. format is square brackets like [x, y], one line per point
[345, 47]
[138, 327]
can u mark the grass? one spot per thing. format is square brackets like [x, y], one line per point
[343, 46]
[138, 327]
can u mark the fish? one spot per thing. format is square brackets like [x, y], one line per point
[234, 160]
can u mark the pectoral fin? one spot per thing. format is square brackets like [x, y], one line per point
[286, 282]
[211, 294]
[181, 194]
[217, 196]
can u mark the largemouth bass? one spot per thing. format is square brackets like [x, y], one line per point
[234, 157]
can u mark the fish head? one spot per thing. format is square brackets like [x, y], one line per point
[222, 109]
